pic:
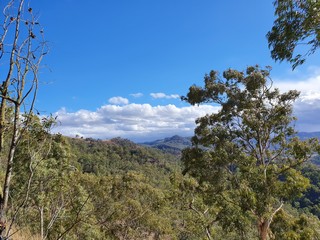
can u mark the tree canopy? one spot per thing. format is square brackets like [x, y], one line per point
[247, 153]
[297, 24]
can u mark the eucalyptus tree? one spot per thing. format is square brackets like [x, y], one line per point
[22, 48]
[296, 29]
[247, 155]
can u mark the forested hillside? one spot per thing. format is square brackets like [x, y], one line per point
[74, 188]
[114, 189]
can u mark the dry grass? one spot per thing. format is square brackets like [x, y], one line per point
[24, 235]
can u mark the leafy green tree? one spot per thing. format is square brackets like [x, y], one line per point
[297, 23]
[289, 224]
[194, 218]
[46, 197]
[135, 207]
[310, 201]
[34, 148]
[247, 154]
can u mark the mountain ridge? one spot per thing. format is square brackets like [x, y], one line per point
[176, 143]
[173, 145]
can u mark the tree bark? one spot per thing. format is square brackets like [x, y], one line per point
[41, 222]
[7, 180]
[263, 228]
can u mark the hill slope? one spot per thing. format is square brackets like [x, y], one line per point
[118, 155]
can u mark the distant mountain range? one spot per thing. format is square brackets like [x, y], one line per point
[176, 144]
[173, 145]
[307, 135]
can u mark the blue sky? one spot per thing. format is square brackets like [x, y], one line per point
[116, 68]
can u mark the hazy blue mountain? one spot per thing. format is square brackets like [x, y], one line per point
[306, 135]
[173, 145]
[176, 143]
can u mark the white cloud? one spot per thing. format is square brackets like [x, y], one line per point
[118, 101]
[136, 95]
[307, 107]
[143, 122]
[308, 86]
[163, 95]
[138, 122]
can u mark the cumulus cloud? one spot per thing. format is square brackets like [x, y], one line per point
[307, 107]
[118, 101]
[136, 95]
[163, 95]
[138, 122]
[144, 122]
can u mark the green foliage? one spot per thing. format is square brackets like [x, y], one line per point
[141, 187]
[92, 189]
[288, 226]
[119, 156]
[297, 24]
[134, 209]
[247, 153]
[46, 197]
[310, 201]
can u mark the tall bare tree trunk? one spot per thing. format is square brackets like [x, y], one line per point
[41, 222]
[3, 107]
[6, 186]
[2, 120]
[6, 83]
[20, 84]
